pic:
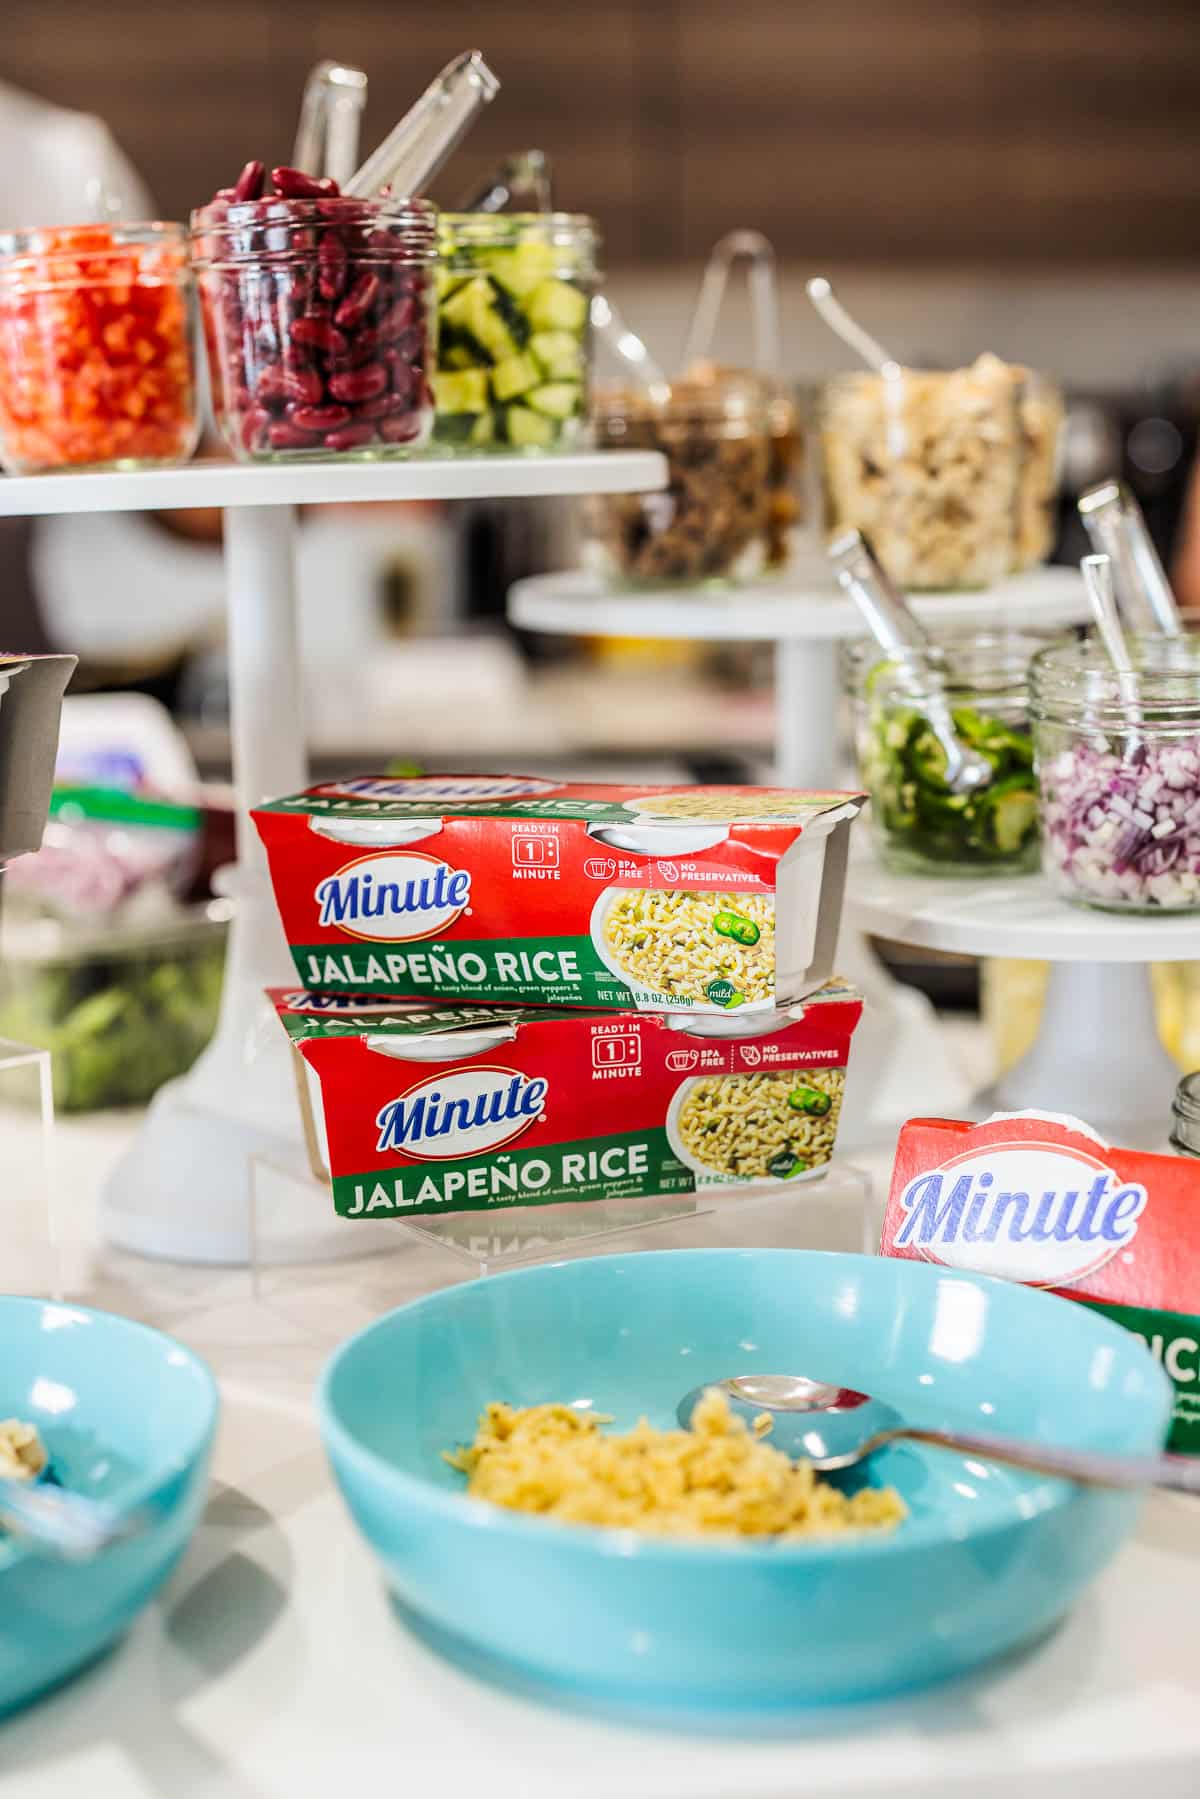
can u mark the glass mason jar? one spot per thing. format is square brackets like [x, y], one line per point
[97, 348]
[318, 319]
[1120, 784]
[514, 330]
[921, 826]
[712, 523]
[1185, 1116]
[785, 510]
[944, 472]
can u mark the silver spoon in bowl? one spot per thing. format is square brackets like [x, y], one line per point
[836, 1428]
[70, 1526]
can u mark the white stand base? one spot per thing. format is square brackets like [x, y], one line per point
[1097, 1056]
[183, 1191]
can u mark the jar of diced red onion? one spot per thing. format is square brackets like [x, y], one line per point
[1120, 781]
[318, 318]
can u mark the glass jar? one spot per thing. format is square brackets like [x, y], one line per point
[97, 337]
[1185, 1116]
[785, 469]
[920, 825]
[1042, 415]
[1120, 787]
[514, 330]
[712, 522]
[928, 465]
[318, 318]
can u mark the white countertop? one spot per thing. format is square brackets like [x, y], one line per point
[272, 1666]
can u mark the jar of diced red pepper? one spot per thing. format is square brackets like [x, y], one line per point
[96, 348]
[318, 317]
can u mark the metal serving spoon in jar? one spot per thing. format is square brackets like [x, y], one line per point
[902, 639]
[836, 1428]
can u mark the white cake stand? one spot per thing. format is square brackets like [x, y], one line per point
[1098, 1054]
[183, 1191]
[803, 615]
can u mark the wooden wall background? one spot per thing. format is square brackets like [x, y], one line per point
[1001, 132]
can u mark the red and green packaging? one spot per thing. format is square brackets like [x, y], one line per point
[525, 891]
[426, 1109]
[1044, 1201]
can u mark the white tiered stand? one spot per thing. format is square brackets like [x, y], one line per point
[901, 1065]
[803, 615]
[184, 1189]
[1097, 1055]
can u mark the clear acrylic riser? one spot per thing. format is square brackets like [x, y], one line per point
[386, 1264]
[29, 1258]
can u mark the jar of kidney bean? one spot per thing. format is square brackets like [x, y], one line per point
[97, 330]
[318, 320]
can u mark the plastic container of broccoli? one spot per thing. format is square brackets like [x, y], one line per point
[122, 1009]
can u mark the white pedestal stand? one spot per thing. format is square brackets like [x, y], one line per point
[1098, 1053]
[183, 1191]
[803, 615]
[900, 1061]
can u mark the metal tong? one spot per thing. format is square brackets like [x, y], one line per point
[1114, 523]
[415, 149]
[331, 112]
[897, 632]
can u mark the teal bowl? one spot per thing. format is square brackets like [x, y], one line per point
[988, 1559]
[129, 1416]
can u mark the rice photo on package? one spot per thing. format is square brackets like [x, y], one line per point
[763, 1126]
[679, 944]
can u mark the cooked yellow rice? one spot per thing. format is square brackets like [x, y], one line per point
[22, 1454]
[727, 805]
[667, 943]
[717, 1479]
[738, 1124]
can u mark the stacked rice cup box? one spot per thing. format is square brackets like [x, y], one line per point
[591, 992]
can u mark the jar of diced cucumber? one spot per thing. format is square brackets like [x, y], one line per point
[921, 824]
[514, 347]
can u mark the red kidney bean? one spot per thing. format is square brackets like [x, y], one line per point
[255, 422]
[401, 372]
[350, 437]
[277, 384]
[319, 418]
[364, 347]
[283, 435]
[359, 384]
[399, 318]
[358, 302]
[223, 196]
[249, 184]
[381, 406]
[400, 428]
[319, 334]
[294, 184]
[331, 266]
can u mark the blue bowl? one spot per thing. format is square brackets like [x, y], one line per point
[127, 1415]
[988, 1559]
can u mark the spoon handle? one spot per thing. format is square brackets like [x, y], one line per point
[1091, 1467]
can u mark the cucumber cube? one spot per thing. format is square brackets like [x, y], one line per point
[560, 354]
[557, 399]
[529, 430]
[465, 391]
[557, 306]
[515, 376]
[522, 269]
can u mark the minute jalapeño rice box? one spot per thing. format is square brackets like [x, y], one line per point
[418, 1109]
[1042, 1200]
[526, 891]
